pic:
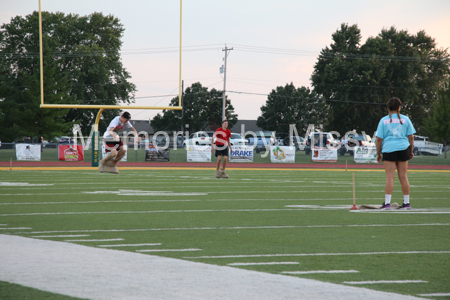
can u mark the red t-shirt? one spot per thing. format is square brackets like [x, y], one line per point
[222, 136]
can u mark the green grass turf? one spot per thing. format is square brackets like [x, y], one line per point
[253, 213]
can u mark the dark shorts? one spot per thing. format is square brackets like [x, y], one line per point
[403, 155]
[220, 152]
[112, 145]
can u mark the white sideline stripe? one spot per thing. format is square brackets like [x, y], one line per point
[194, 200]
[434, 295]
[319, 254]
[102, 240]
[15, 228]
[233, 228]
[51, 236]
[169, 250]
[130, 245]
[151, 212]
[320, 272]
[265, 263]
[385, 281]
[3, 224]
[96, 273]
[364, 211]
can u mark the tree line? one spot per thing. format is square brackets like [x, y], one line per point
[350, 84]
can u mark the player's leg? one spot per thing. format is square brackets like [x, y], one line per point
[119, 155]
[402, 169]
[224, 174]
[389, 168]
[219, 158]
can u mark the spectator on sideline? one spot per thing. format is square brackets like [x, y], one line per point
[114, 144]
[222, 142]
[395, 141]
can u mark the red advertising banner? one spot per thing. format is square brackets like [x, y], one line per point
[69, 153]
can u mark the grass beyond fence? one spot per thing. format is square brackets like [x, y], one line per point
[179, 155]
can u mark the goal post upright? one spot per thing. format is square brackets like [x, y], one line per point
[96, 136]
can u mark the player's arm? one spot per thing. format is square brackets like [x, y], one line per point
[411, 144]
[379, 143]
[113, 133]
[212, 141]
[229, 144]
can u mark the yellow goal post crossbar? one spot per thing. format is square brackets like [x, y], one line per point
[41, 63]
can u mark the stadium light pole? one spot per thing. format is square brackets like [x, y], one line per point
[225, 81]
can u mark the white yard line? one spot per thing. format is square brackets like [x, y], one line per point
[53, 236]
[435, 295]
[130, 245]
[318, 254]
[230, 228]
[265, 263]
[169, 250]
[104, 274]
[320, 272]
[384, 281]
[101, 240]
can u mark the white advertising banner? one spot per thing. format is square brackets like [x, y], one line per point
[324, 154]
[196, 153]
[241, 154]
[282, 154]
[28, 152]
[365, 155]
[123, 158]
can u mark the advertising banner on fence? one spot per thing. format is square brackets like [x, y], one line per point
[365, 155]
[195, 153]
[124, 158]
[69, 153]
[28, 152]
[282, 154]
[157, 154]
[241, 154]
[324, 155]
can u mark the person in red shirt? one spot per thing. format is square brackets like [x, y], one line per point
[222, 142]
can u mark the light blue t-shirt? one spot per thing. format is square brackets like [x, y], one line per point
[395, 135]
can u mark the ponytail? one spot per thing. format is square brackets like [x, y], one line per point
[394, 104]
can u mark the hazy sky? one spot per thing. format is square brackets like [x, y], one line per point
[274, 42]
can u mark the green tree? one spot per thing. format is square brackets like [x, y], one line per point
[359, 79]
[289, 105]
[82, 66]
[438, 123]
[201, 108]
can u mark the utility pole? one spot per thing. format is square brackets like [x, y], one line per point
[224, 69]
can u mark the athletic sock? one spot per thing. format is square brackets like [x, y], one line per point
[406, 199]
[387, 199]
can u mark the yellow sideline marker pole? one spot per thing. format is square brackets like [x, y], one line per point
[354, 207]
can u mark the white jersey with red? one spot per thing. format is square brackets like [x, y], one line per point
[118, 126]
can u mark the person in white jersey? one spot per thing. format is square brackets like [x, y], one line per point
[114, 145]
[395, 141]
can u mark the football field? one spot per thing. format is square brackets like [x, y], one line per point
[294, 223]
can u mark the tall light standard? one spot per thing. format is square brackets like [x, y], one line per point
[224, 70]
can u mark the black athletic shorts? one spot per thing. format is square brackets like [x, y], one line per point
[220, 152]
[403, 155]
[112, 145]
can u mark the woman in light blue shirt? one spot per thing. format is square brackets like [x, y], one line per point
[395, 141]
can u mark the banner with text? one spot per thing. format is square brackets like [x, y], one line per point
[241, 154]
[195, 153]
[365, 155]
[157, 154]
[28, 152]
[282, 154]
[69, 153]
[324, 154]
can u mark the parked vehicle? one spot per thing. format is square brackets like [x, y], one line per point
[320, 139]
[263, 139]
[199, 138]
[425, 147]
[354, 140]
[238, 140]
